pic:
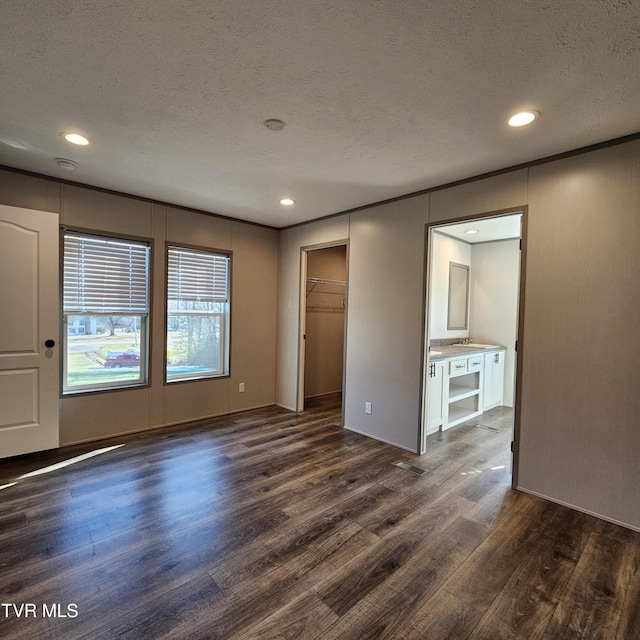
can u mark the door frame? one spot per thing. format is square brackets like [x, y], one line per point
[302, 319]
[520, 352]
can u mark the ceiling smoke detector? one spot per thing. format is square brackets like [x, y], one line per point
[66, 164]
[274, 125]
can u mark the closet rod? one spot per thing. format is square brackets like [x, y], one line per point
[325, 309]
[325, 281]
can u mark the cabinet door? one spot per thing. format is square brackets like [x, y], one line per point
[435, 410]
[498, 379]
[492, 387]
[487, 383]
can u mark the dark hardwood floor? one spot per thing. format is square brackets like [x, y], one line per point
[268, 524]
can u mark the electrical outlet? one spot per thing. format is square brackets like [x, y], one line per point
[241, 387]
[367, 407]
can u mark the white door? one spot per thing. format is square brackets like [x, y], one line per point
[29, 370]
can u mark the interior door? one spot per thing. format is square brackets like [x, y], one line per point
[29, 361]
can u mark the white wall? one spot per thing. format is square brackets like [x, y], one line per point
[444, 249]
[495, 273]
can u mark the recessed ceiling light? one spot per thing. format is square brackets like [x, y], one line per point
[471, 231]
[523, 118]
[75, 138]
[287, 202]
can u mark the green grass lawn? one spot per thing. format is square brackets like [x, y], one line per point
[101, 376]
[82, 370]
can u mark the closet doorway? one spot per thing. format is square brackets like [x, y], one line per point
[323, 306]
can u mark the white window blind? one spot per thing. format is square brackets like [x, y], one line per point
[105, 275]
[197, 275]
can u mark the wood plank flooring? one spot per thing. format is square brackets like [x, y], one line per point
[269, 524]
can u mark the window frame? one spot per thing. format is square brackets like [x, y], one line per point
[226, 316]
[146, 320]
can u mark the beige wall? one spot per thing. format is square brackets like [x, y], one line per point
[384, 325]
[332, 230]
[580, 434]
[253, 307]
[580, 431]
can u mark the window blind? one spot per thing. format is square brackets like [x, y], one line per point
[197, 275]
[105, 275]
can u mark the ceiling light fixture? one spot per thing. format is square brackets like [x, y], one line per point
[76, 138]
[287, 202]
[523, 118]
[471, 231]
[273, 124]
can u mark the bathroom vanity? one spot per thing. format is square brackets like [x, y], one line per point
[464, 381]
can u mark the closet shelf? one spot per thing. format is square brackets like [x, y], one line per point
[325, 309]
[325, 281]
[319, 282]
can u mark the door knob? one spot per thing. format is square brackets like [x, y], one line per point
[49, 343]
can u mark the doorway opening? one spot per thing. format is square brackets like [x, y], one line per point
[323, 306]
[473, 313]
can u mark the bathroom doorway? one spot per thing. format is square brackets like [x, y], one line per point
[473, 312]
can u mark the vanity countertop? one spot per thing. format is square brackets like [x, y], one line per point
[456, 350]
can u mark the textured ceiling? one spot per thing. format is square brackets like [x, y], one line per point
[381, 97]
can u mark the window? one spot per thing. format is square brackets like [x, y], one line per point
[105, 312]
[197, 314]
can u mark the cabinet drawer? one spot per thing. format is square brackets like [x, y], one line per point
[474, 363]
[458, 367]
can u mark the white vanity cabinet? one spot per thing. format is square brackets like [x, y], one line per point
[493, 383]
[464, 390]
[461, 387]
[437, 404]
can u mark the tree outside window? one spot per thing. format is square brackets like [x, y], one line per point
[105, 311]
[197, 314]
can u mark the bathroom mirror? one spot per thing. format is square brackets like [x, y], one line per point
[458, 315]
